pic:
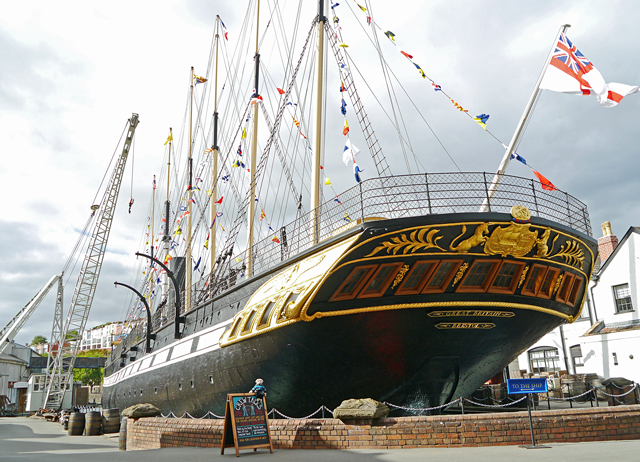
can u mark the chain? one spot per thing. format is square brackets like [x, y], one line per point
[635, 385]
[494, 405]
[301, 418]
[422, 409]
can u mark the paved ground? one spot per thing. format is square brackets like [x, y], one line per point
[26, 439]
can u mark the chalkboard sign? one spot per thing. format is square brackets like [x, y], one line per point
[246, 425]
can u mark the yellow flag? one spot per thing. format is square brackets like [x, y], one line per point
[327, 181]
[244, 133]
[169, 138]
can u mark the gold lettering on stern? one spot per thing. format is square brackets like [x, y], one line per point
[491, 313]
[465, 325]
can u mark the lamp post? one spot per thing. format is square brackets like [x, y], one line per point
[179, 319]
[150, 336]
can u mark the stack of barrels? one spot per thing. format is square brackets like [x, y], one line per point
[93, 423]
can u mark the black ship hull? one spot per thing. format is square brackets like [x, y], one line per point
[414, 311]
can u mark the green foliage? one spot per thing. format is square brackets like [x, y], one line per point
[89, 377]
[71, 335]
[38, 339]
[94, 353]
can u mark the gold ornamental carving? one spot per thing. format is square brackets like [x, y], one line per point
[557, 286]
[477, 239]
[460, 273]
[520, 212]
[416, 241]
[465, 325]
[516, 239]
[571, 253]
[523, 275]
[400, 276]
[487, 313]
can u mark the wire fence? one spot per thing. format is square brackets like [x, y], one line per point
[401, 197]
[590, 395]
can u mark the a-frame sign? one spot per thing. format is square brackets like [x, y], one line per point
[246, 424]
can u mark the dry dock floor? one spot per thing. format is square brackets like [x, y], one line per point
[28, 439]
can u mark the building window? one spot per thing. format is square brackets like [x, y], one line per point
[576, 355]
[544, 359]
[622, 296]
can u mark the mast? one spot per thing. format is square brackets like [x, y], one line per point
[214, 162]
[187, 292]
[167, 206]
[523, 120]
[152, 225]
[317, 134]
[254, 154]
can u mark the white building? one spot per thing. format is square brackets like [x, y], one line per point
[605, 340]
[101, 337]
[14, 374]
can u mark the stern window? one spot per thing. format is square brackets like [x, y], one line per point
[534, 280]
[507, 278]
[416, 277]
[479, 276]
[441, 276]
[548, 282]
[380, 280]
[353, 283]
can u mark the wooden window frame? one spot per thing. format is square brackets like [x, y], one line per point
[395, 267]
[573, 293]
[441, 288]
[548, 294]
[487, 280]
[514, 282]
[425, 277]
[541, 275]
[351, 295]
[566, 285]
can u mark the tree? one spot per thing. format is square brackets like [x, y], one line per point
[71, 335]
[89, 377]
[38, 339]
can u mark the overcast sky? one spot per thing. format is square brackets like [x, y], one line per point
[72, 73]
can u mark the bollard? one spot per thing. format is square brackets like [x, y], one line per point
[122, 437]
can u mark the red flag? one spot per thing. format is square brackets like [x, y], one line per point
[280, 90]
[219, 201]
[407, 55]
[546, 184]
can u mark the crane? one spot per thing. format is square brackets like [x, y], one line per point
[15, 324]
[60, 370]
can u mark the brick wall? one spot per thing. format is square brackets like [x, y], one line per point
[509, 428]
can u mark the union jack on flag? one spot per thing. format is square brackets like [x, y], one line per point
[568, 59]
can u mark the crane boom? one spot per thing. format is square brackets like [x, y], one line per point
[13, 327]
[59, 376]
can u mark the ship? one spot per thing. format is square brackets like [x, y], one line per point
[411, 289]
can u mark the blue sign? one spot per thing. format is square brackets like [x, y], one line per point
[523, 386]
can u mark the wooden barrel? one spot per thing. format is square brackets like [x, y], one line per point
[93, 423]
[76, 423]
[122, 438]
[111, 420]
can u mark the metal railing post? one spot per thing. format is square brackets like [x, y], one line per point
[535, 199]
[426, 180]
[486, 191]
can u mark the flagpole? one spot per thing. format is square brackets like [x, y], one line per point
[523, 120]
